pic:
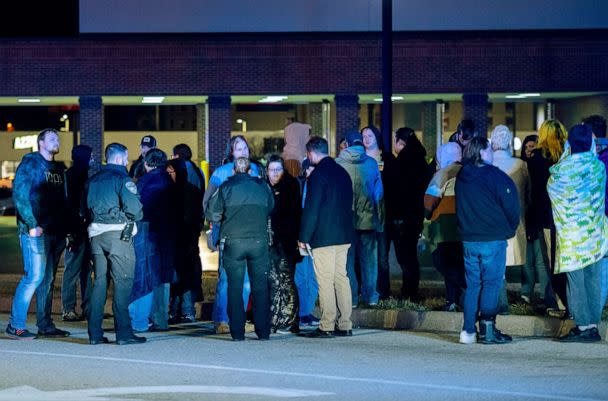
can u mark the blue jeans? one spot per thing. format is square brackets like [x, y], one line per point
[220, 306]
[484, 264]
[160, 306]
[384, 268]
[77, 268]
[603, 281]
[307, 286]
[182, 305]
[151, 307]
[536, 269]
[40, 259]
[139, 312]
[365, 250]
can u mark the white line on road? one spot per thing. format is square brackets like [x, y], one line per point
[312, 375]
[99, 394]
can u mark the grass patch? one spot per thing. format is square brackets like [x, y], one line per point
[9, 246]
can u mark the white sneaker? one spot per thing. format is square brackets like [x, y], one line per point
[467, 338]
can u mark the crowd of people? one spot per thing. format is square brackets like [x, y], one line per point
[305, 227]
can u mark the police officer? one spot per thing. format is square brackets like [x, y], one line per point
[112, 207]
[242, 204]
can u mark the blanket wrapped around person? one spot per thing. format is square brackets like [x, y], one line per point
[577, 192]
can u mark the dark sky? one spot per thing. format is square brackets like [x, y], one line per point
[23, 18]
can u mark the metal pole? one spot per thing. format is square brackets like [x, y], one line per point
[387, 72]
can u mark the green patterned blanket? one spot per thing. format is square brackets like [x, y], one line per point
[577, 190]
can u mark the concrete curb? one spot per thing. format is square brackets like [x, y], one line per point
[451, 322]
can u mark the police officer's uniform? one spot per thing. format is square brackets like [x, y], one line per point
[243, 204]
[111, 202]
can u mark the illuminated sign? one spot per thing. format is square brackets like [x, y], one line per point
[26, 142]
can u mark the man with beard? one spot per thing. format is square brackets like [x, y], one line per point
[40, 201]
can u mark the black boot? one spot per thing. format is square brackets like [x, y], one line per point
[489, 334]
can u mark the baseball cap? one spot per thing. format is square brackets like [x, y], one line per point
[352, 137]
[149, 141]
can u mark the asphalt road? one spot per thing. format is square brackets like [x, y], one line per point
[193, 364]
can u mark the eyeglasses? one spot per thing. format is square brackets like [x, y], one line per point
[275, 170]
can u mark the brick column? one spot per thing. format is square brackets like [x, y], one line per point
[91, 125]
[218, 133]
[201, 131]
[347, 116]
[475, 107]
[316, 118]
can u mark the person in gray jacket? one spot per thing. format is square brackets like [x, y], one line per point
[367, 194]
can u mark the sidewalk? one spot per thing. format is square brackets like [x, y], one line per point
[424, 321]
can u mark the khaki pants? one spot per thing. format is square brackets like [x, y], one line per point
[335, 297]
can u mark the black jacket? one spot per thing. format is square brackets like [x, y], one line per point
[286, 217]
[137, 168]
[487, 204]
[242, 205]
[39, 195]
[406, 178]
[328, 218]
[111, 197]
[75, 179]
[539, 214]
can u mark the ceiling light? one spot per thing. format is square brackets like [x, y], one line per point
[28, 100]
[522, 95]
[393, 98]
[272, 99]
[152, 99]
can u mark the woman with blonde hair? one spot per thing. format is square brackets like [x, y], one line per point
[552, 136]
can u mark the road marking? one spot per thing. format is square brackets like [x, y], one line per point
[99, 394]
[518, 394]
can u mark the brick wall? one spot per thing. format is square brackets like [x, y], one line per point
[475, 107]
[347, 116]
[220, 121]
[455, 62]
[91, 125]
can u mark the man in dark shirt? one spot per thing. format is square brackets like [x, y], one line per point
[40, 201]
[78, 251]
[327, 228]
[243, 205]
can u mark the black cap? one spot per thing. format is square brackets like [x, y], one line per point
[148, 141]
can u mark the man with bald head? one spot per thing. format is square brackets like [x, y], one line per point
[242, 205]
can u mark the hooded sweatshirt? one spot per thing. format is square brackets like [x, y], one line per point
[487, 204]
[367, 186]
[39, 195]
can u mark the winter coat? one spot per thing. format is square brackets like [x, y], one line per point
[517, 170]
[39, 195]
[539, 214]
[285, 217]
[296, 136]
[156, 233]
[367, 186]
[327, 218]
[75, 180]
[406, 179]
[242, 206]
[440, 207]
[487, 204]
